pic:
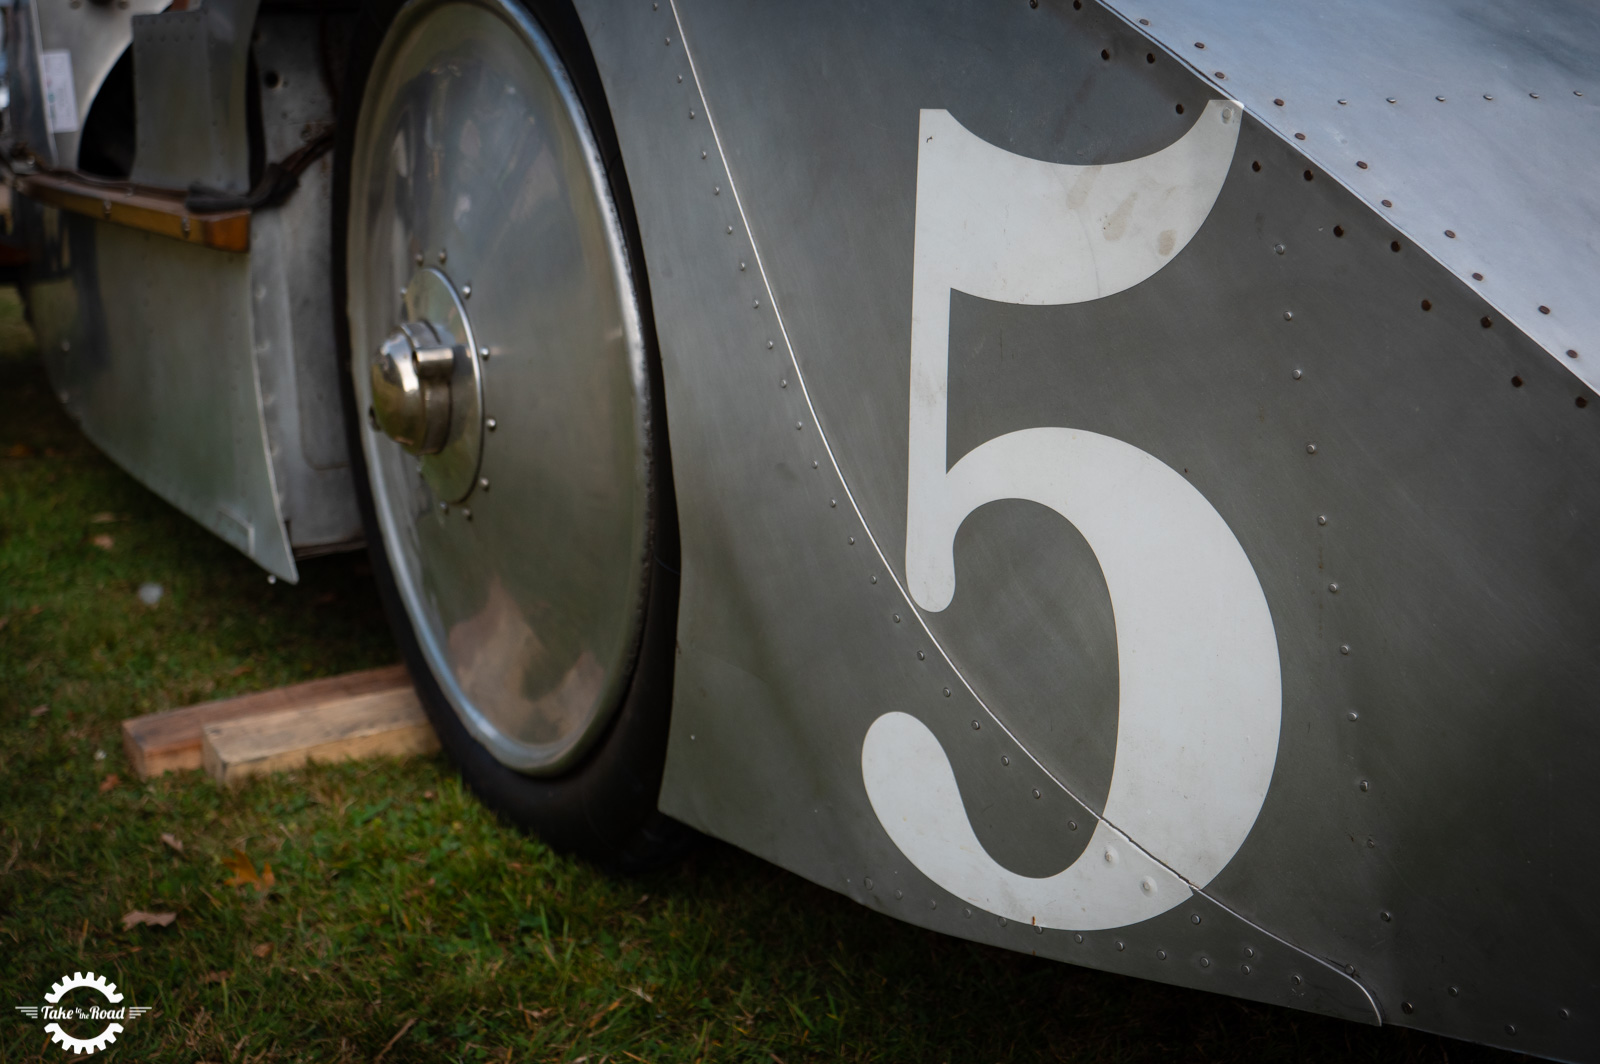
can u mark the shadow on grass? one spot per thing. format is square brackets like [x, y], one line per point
[403, 921]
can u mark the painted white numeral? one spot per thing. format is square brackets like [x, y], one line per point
[1198, 719]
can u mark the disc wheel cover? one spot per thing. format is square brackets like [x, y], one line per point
[473, 163]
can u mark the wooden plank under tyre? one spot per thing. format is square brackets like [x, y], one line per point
[170, 741]
[382, 724]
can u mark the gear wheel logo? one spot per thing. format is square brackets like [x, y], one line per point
[83, 1045]
[77, 979]
[54, 1011]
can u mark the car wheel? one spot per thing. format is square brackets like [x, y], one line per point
[505, 415]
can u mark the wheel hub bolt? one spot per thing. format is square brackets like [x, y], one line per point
[411, 374]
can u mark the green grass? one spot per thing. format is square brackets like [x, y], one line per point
[397, 900]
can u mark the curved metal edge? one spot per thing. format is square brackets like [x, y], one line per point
[872, 538]
[567, 754]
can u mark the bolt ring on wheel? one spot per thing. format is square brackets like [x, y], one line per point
[538, 618]
[427, 388]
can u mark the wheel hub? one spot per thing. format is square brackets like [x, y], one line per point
[427, 391]
[411, 387]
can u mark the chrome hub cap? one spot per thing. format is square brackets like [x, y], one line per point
[427, 389]
[508, 456]
[411, 388]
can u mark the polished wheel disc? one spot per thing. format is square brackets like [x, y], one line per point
[497, 354]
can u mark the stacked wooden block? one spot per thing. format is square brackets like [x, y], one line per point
[359, 715]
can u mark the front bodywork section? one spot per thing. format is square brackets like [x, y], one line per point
[207, 373]
[1412, 481]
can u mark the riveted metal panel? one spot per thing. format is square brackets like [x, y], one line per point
[1411, 477]
[1473, 127]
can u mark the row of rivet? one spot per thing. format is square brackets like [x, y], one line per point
[1486, 322]
[483, 355]
[1311, 448]
[1361, 164]
[1427, 304]
[1322, 519]
[1204, 960]
[1365, 786]
[1077, 5]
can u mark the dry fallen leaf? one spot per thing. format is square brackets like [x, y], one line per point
[153, 919]
[172, 840]
[263, 949]
[216, 977]
[19, 450]
[103, 541]
[102, 519]
[243, 869]
[38, 711]
[245, 874]
[109, 782]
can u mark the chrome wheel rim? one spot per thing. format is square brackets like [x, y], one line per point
[479, 205]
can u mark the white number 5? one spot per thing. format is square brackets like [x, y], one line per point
[1200, 707]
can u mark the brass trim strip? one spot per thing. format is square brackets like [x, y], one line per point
[150, 210]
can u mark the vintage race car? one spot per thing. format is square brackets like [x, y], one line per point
[1107, 478]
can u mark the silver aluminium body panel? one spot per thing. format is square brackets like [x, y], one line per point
[848, 215]
[209, 375]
